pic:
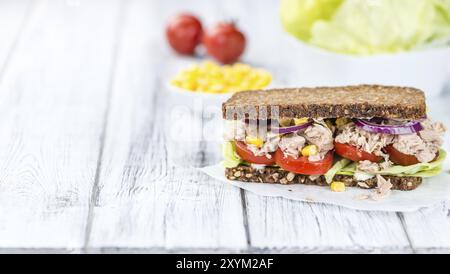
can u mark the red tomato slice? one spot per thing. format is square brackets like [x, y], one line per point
[248, 156]
[355, 154]
[302, 165]
[400, 158]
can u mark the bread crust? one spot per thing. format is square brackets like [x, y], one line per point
[361, 101]
[275, 175]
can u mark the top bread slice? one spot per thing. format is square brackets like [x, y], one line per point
[361, 101]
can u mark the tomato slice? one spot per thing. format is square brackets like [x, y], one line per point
[302, 165]
[355, 154]
[400, 158]
[248, 156]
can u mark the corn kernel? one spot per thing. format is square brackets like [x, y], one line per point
[189, 86]
[342, 121]
[263, 82]
[299, 121]
[254, 141]
[310, 150]
[337, 186]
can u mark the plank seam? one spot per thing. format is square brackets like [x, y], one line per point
[408, 237]
[95, 188]
[245, 219]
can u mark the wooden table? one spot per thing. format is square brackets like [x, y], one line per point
[91, 162]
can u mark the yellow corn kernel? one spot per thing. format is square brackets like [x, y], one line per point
[342, 121]
[242, 67]
[254, 141]
[207, 65]
[299, 121]
[245, 85]
[310, 150]
[337, 186]
[263, 81]
[189, 86]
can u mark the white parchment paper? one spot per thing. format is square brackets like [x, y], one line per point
[430, 192]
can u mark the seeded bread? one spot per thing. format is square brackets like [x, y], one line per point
[362, 101]
[274, 175]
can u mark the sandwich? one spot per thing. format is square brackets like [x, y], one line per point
[366, 136]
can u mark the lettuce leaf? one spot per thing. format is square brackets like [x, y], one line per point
[230, 157]
[417, 170]
[298, 16]
[338, 166]
[346, 167]
[368, 27]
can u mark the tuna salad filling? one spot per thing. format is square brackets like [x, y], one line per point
[313, 141]
[423, 146]
[362, 148]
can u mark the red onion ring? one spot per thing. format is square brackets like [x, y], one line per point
[408, 128]
[284, 130]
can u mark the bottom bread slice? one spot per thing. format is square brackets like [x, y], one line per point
[275, 175]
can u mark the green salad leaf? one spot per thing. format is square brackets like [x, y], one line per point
[298, 17]
[417, 170]
[368, 27]
[343, 166]
[338, 166]
[230, 157]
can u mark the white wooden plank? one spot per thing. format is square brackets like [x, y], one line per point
[145, 201]
[54, 94]
[429, 229]
[279, 223]
[12, 21]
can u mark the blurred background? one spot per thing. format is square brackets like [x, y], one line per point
[339, 42]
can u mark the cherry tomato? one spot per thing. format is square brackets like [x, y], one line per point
[184, 33]
[302, 165]
[355, 154]
[247, 155]
[224, 42]
[400, 158]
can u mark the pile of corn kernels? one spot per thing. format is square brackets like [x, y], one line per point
[210, 77]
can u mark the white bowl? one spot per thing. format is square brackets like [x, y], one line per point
[427, 69]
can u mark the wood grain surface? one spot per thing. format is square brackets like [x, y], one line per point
[98, 155]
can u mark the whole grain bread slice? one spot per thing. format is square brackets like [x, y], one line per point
[361, 101]
[275, 175]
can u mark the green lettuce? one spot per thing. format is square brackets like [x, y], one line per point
[368, 27]
[298, 17]
[337, 167]
[230, 157]
[417, 170]
[346, 167]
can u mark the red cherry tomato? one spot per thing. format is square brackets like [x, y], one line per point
[400, 158]
[248, 156]
[355, 154]
[184, 33]
[224, 42]
[302, 165]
